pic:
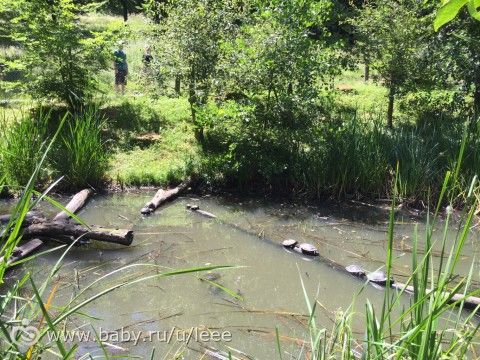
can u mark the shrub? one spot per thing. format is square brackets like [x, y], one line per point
[308, 153]
[81, 154]
[433, 107]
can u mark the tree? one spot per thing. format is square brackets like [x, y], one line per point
[395, 36]
[190, 40]
[60, 55]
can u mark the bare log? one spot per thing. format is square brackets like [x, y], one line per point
[56, 228]
[469, 302]
[162, 196]
[23, 251]
[75, 204]
[205, 213]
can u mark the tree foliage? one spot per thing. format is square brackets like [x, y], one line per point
[397, 51]
[60, 56]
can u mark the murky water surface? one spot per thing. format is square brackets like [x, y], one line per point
[264, 291]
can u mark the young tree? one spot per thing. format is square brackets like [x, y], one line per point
[61, 56]
[285, 52]
[190, 40]
[395, 36]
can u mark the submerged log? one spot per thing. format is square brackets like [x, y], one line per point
[4, 219]
[162, 196]
[75, 204]
[56, 228]
[470, 302]
[23, 251]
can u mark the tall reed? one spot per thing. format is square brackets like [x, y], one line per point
[21, 147]
[81, 154]
[433, 326]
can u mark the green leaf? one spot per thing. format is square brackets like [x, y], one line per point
[448, 12]
[473, 6]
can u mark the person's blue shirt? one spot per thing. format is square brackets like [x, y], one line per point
[120, 60]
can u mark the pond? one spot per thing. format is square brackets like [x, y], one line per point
[263, 292]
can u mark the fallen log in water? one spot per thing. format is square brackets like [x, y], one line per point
[327, 261]
[75, 204]
[4, 219]
[470, 302]
[162, 196]
[61, 228]
[23, 251]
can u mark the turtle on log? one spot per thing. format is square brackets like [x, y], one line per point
[378, 277]
[308, 249]
[289, 243]
[355, 270]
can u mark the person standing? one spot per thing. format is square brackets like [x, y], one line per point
[147, 57]
[121, 68]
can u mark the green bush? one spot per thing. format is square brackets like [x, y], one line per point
[81, 153]
[21, 147]
[433, 107]
[314, 155]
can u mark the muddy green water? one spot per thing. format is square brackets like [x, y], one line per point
[267, 277]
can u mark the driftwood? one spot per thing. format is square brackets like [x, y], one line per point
[75, 204]
[205, 213]
[470, 302]
[54, 228]
[162, 196]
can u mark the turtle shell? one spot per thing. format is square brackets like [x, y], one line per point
[356, 270]
[309, 249]
[378, 277]
[289, 243]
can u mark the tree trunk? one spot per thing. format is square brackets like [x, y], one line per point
[125, 10]
[476, 105]
[391, 100]
[177, 85]
[367, 72]
[162, 196]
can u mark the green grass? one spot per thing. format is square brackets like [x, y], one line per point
[81, 154]
[365, 96]
[21, 142]
[168, 159]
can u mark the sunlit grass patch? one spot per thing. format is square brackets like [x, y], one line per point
[170, 159]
